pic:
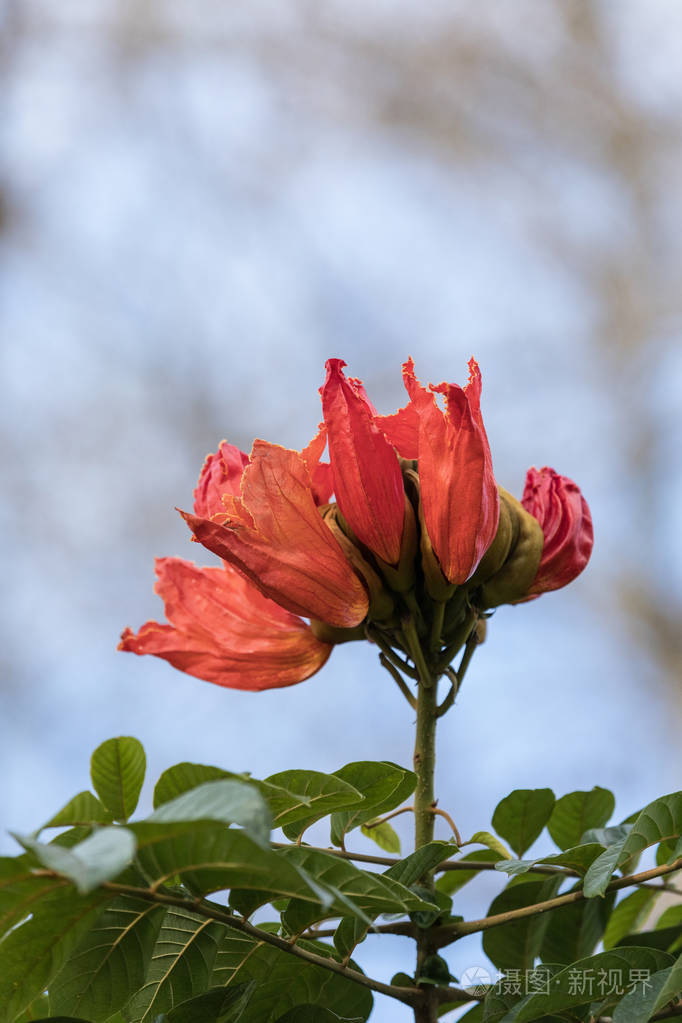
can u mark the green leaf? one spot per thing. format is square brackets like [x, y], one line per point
[231, 802]
[451, 881]
[182, 777]
[520, 817]
[402, 980]
[641, 1003]
[383, 835]
[576, 812]
[384, 786]
[110, 964]
[424, 918]
[82, 809]
[517, 944]
[352, 931]
[32, 954]
[100, 857]
[409, 870]
[215, 1006]
[117, 770]
[667, 939]
[574, 931]
[314, 1014]
[210, 857]
[670, 917]
[324, 792]
[579, 858]
[668, 852]
[181, 965]
[660, 821]
[593, 972]
[284, 982]
[505, 999]
[490, 842]
[601, 871]
[607, 836]
[665, 853]
[474, 1015]
[35, 1011]
[628, 915]
[67, 839]
[307, 796]
[434, 970]
[355, 892]
[349, 934]
[21, 890]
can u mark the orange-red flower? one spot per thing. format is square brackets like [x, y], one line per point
[458, 489]
[560, 508]
[368, 481]
[221, 474]
[274, 534]
[413, 550]
[223, 630]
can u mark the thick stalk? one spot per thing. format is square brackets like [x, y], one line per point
[424, 799]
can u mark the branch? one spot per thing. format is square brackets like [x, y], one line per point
[409, 996]
[458, 930]
[387, 817]
[455, 994]
[404, 929]
[670, 1013]
[390, 861]
[448, 818]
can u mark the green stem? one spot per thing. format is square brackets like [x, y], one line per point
[437, 626]
[415, 611]
[469, 649]
[424, 765]
[375, 637]
[452, 695]
[400, 681]
[416, 653]
[424, 801]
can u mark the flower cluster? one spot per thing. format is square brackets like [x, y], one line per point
[417, 546]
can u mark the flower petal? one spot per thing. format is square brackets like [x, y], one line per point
[562, 511]
[221, 474]
[320, 472]
[401, 429]
[368, 482]
[223, 630]
[458, 490]
[275, 535]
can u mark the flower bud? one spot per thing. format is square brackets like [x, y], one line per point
[562, 511]
[437, 586]
[513, 580]
[381, 603]
[498, 552]
[401, 577]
